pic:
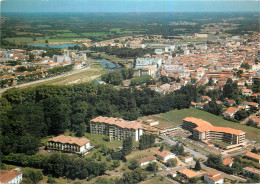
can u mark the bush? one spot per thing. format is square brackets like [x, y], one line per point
[171, 162]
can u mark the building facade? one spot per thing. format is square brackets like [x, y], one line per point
[12, 177]
[69, 144]
[116, 128]
[204, 131]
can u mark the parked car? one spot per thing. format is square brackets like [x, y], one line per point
[196, 150]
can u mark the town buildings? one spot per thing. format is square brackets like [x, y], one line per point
[204, 131]
[116, 128]
[69, 144]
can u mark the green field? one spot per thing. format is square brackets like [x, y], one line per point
[95, 34]
[19, 39]
[175, 117]
[67, 35]
[98, 139]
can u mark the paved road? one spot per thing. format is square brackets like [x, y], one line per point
[251, 116]
[232, 177]
[44, 80]
[186, 149]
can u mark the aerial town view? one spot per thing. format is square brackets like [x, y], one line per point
[129, 91]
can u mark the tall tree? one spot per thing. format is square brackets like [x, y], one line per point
[127, 145]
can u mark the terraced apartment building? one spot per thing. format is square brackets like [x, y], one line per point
[204, 131]
[116, 128]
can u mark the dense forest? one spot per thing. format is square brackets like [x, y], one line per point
[30, 114]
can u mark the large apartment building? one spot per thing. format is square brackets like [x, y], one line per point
[204, 131]
[116, 128]
[69, 144]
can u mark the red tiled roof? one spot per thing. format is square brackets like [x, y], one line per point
[118, 122]
[146, 159]
[228, 160]
[216, 178]
[187, 172]
[253, 170]
[6, 176]
[206, 126]
[70, 140]
[252, 155]
[231, 110]
[163, 154]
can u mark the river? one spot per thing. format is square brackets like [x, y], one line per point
[111, 67]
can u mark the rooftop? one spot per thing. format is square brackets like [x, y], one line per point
[206, 126]
[70, 140]
[146, 159]
[187, 172]
[118, 122]
[6, 176]
[164, 153]
[253, 155]
[253, 170]
[228, 160]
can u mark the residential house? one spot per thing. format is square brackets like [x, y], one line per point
[206, 98]
[187, 173]
[165, 155]
[248, 105]
[229, 102]
[256, 121]
[146, 160]
[253, 156]
[252, 171]
[228, 161]
[213, 177]
[187, 159]
[247, 92]
[230, 112]
[11, 177]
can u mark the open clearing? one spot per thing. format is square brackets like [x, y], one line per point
[75, 78]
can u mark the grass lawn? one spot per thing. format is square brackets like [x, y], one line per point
[176, 116]
[143, 153]
[98, 139]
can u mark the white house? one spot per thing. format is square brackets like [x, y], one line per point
[187, 159]
[165, 155]
[146, 160]
[230, 112]
[247, 92]
[12, 177]
[213, 177]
